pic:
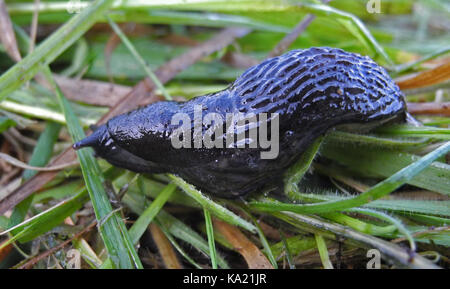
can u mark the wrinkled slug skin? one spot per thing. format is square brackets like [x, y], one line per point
[312, 90]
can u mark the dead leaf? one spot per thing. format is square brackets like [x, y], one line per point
[252, 255]
[430, 77]
[92, 91]
[165, 248]
[7, 36]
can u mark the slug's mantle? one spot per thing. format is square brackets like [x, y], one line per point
[311, 90]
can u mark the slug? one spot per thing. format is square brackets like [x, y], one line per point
[308, 91]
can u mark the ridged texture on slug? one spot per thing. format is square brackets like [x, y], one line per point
[312, 91]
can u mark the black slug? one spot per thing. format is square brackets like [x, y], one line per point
[303, 93]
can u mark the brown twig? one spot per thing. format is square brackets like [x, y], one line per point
[16, 145]
[239, 60]
[111, 45]
[21, 138]
[34, 26]
[141, 94]
[17, 163]
[442, 108]
[290, 38]
[284, 44]
[93, 92]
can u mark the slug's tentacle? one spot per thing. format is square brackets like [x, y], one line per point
[310, 91]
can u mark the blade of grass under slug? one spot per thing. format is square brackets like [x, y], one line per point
[346, 138]
[138, 58]
[210, 234]
[140, 226]
[412, 131]
[177, 246]
[216, 209]
[382, 163]
[323, 252]
[387, 218]
[359, 225]
[110, 225]
[295, 173]
[179, 230]
[52, 47]
[389, 251]
[174, 227]
[409, 207]
[287, 251]
[381, 189]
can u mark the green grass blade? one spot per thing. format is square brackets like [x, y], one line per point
[52, 47]
[174, 227]
[295, 244]
[295, 173]
[359, 225]
[381, 189]
[410, 207]
[111, 226]
[210, 234]
[323, 251]
[216, 209]
[265, 243]
[149, 214]
[179, 230]
[43, 222]
[138, 58]
[177, 246]
[355, 26]
[262, 237]
[287, 251]
[346, 138]
[6, 123]
[407, 66]
[412, 131]
[388, 250]
[379, 163]
[389, 219]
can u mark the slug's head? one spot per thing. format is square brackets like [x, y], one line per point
[103, 144]
[106, 147]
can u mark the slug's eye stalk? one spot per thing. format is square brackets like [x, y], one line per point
[86, 142]
[96, 140]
